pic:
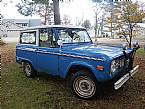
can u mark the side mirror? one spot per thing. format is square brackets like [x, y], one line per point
[125, 46]
[60, 43]
[136, 45]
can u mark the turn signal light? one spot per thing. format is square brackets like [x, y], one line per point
[101, 68]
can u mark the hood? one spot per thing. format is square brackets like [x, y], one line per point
[96, 51]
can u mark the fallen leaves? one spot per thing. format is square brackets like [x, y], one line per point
[7, 55]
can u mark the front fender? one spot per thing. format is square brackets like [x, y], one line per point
[83, 64]
[99, 76]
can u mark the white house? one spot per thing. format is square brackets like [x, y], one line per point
[11, 27]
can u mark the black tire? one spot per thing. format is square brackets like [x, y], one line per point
[29, 70]
[84, 85]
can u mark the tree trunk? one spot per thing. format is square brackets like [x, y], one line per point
[111, 25]
[56, 12]
[96, 26]
[130, 39]
[45, 17]
[102, 25]
[131, 33]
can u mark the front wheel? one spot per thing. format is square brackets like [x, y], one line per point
[84, 85]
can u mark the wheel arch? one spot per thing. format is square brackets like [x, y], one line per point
[22, 60]
[26, 60]
[73, 68]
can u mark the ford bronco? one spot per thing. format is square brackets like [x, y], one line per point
[69, 52]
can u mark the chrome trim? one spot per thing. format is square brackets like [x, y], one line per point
[30, 49]
[61, 54]
[69, 55]
[125, 78]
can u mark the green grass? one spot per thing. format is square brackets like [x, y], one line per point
[140, 52]
[19, 92]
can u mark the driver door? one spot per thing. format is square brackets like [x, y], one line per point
[47, 52]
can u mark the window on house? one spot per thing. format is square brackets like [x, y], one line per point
[24, 24]
[28, 38]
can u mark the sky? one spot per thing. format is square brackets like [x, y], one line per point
[73, 9]
[77, 9]
[8, 10]
[82, 9]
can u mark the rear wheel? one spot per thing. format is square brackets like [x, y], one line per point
[29, 70]
[84, 85]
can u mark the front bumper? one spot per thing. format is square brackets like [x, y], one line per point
[125, 78]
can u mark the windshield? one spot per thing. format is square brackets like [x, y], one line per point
[73, 35]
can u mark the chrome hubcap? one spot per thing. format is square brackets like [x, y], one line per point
[28, 70]
[84, 87]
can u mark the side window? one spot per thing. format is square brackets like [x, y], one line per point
[28, 38]
[65, 37]
[46, 38]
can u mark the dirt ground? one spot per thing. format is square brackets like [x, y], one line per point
[131, 96]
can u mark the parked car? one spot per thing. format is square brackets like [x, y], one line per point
[69, 52]
[123, 37]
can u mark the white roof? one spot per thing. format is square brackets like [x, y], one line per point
[16, 20]
[47, 26]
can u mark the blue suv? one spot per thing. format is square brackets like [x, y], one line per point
[69, 52]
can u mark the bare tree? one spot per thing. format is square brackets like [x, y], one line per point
[79, 21]
[99, 9]
[66, 20]
[46, 13]
[86, 24]
[27, 7]
[42, 8]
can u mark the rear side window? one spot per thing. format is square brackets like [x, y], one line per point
[28, 38]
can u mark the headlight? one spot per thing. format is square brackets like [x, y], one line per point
[116, 64]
